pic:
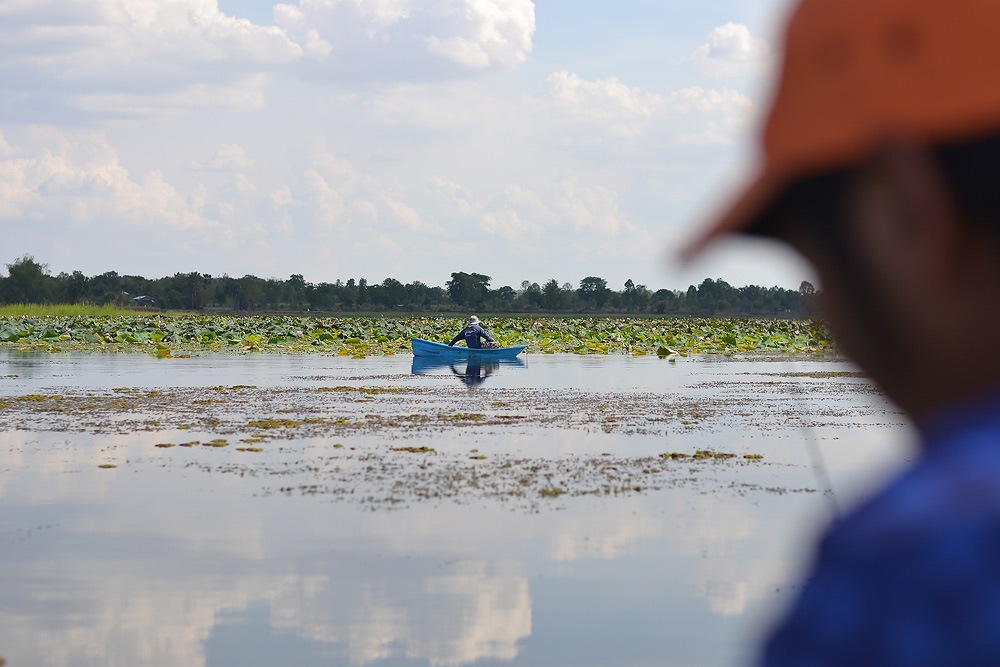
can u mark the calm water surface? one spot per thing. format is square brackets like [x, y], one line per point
[165, 560]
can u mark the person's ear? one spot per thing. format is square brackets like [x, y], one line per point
[912, 217]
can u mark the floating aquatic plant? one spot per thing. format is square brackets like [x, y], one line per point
[176, 336]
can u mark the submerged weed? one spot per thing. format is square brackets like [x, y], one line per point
[275, 423]
[365, 390]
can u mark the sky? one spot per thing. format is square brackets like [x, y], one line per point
[370, 139]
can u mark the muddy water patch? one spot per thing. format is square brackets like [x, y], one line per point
[392, 439]
[342, 409]
[391, 449]
[343, 430]
[403, 475]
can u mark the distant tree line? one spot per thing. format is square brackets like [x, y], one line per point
[28, 281]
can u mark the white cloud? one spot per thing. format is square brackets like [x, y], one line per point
[731, 51]
[293, 20]
[239, 94]
[494, 171]
[133, 58]
[403, 39]
[561, 208]
[487, 32]
[445, 106]
[711, 116]
[618, 118]
[342, 197]
[142, 58]
[228, 157]
[130, 40]
[6, 150]
[74, 190]
[514, 214]
[242, 93]
[622, 110]
[594, 208]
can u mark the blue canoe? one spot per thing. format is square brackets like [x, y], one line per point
[428, 348]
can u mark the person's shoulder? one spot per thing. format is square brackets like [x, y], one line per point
[910, 552]
[938, 501]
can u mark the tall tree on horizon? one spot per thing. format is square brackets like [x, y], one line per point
[468, 289]
[26, 281]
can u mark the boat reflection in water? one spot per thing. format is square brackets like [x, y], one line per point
[472, 372]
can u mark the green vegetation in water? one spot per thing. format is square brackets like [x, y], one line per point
[463, 417]
[63, 310]
[706, 455]
[371, 391]
[275, 423]
[816, 375]
[172, 336]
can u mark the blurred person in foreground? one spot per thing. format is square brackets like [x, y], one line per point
[881, 166]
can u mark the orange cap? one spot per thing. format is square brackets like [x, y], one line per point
[857, 72]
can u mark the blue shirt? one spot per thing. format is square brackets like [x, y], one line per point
[911, 578]
[472, 335]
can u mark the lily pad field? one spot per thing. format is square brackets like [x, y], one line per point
[167, 335]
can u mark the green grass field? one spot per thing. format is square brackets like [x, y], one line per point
[62, 310]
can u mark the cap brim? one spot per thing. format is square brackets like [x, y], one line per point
[745, 214]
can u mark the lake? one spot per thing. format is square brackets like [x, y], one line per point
[314, 510]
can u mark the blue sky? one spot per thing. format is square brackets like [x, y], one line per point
[383, 138]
